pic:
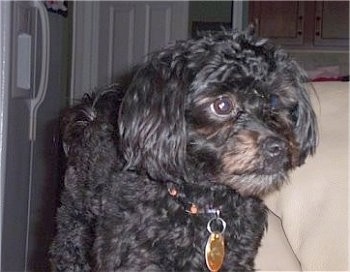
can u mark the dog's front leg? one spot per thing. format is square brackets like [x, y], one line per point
[71, 246]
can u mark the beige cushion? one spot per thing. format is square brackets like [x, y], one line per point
[310, 225]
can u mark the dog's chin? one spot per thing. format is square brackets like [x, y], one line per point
[256, 184]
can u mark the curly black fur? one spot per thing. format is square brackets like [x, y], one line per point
[222, 119]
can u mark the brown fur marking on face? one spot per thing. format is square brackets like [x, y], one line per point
[244, 155]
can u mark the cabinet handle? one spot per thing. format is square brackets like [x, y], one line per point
[318, 26]
[300, 25]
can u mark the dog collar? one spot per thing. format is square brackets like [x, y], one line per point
[214, 251]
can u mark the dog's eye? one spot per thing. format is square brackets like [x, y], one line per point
[222, 106]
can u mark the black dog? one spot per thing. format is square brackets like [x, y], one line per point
[167, 175]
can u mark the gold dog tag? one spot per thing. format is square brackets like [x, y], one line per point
[215, 247]
[215, 251]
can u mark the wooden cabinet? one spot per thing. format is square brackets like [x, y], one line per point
[332, 23]
[303, 24]
[280, 21]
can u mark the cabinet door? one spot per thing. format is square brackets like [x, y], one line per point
[281, 21]
[332, 23]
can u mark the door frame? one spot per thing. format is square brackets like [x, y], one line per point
[237, 15]
[5, 31]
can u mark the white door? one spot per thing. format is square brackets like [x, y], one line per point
[110, 37]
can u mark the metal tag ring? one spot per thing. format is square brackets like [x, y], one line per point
[222, 221]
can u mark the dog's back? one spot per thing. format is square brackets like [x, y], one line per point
[90, 143]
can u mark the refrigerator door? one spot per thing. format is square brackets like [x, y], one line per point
[37, 89]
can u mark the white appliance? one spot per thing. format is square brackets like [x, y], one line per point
[32, 93]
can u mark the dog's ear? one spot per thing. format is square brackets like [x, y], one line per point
[306, 128]
[151, 123]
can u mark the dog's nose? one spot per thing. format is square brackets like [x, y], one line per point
[273, 148]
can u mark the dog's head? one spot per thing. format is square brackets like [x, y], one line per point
[228, 106]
